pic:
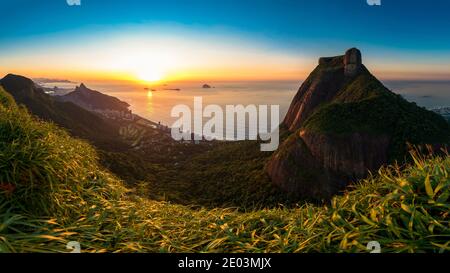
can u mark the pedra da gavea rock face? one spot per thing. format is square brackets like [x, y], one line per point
[352, 62]
[343, 123]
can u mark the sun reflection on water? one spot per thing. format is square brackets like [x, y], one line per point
[150, 102]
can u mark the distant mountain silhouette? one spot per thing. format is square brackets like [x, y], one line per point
[344, 123]
[47, 80]
[94, 100]
[78, 121]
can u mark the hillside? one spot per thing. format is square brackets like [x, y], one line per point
[52, 191]
[93, 100]
[344, 124]
[78, 121]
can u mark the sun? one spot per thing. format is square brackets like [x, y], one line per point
[150, 75]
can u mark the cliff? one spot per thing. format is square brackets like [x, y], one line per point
[344, 124]
[332, 74]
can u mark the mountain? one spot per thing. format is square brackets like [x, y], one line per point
[53, 191]
[47, 80]
[343, 123]
[78, 121]
[94, 100]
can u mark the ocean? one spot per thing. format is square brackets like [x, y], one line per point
[156, 105]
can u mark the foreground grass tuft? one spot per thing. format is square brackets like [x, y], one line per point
[52, 191]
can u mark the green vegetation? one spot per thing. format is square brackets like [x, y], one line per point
[52, 191]
[76, 120]
[366, 106]
[210, 174]
[6, 100]
[219, 175]
[229, 174]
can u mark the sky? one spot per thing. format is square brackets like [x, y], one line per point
[220, 40]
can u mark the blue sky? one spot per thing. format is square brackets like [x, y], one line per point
[399, 33]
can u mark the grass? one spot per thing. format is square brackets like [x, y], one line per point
[76, 120]
[52, 191]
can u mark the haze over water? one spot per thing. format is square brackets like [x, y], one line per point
[157, 105]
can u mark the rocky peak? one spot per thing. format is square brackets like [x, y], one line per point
[83, 89]
[335, 61]
[93, 100]
[352, 62]
[343, 123]
[323, 85]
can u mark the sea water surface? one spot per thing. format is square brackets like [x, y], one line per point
[428, 94]
[156, 105]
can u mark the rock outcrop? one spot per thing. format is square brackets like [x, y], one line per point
[296, 171]
[343, 123]
[352, 62]
[93, 100]
[353, 155]
[322, 86]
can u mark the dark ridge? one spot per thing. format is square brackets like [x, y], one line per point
[78, 121]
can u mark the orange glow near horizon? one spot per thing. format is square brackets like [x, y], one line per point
[153, 76]
[150, 57]
[161, 62]
[136, 57]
